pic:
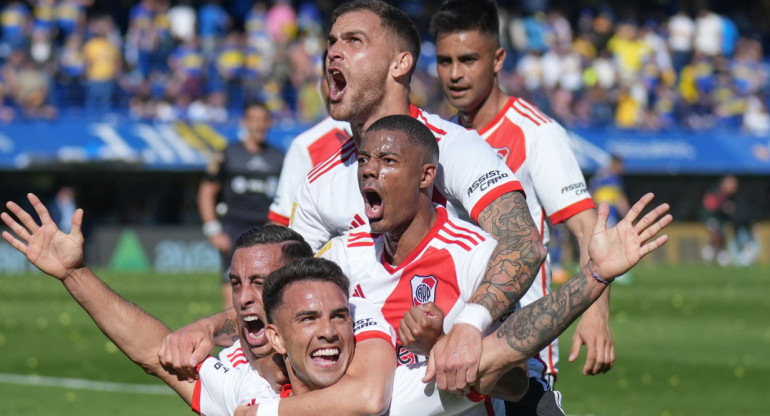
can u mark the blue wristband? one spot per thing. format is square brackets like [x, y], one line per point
[596, 276]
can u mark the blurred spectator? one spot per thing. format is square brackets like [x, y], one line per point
[142, 42]
[103, 65]
[188, 67]
[681, 33]
[182, 20]
[209, 109]
[15, 22]
[7, 113]
[756, 118]
[607, 185]
[230, 68]
[281, 22]
[708, 33]
[213, 24]
[71, 17]
[62, 207]
[717, 210]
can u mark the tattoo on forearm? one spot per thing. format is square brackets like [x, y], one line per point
[517, 257]
[529, 330]
[228, 328]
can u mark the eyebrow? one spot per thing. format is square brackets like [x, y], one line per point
[347, 34]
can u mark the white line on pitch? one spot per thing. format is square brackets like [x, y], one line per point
[81, 384]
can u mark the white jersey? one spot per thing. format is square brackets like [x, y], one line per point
[228, 381]
[413, 397]
[470, 176]
[537, 149]
[308, 149]
[446, 269]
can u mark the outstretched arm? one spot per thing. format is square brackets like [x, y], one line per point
[593, 330]
[612, 252]
[512, 267]
[60, 255]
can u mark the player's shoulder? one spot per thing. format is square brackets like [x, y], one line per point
[338, 164]
[439, 126]
[234, 357]
[357, 238]
[319, 131]
[527, 116]
[457, 233]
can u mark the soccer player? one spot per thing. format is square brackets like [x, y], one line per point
[309, 320]
[308, 149]
[372, 50]
[244, 175]
[408, 166]
[469, 58]
[247, 368]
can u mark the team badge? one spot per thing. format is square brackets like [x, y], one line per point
[423, 289]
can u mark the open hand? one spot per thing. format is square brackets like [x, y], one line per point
[48, 248]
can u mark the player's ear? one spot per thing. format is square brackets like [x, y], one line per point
[402, 65]
[275, 339]
[499, 60]
[428, 175]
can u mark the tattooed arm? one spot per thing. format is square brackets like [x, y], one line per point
[517, 257]
[512, 267]
[185, 348]
[612, 252]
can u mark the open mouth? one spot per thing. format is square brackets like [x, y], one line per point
[373, 204]
[337, 84]
[457, 91]
[254, 329]
[326, 356]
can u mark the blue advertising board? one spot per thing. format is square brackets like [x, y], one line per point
[186, 146]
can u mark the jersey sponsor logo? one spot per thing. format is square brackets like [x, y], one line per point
[241, 185]
[219, 366]
[406, 357]
[578, 188]
[502, 153]
[423, 289]
[360, 324]
[486, 181]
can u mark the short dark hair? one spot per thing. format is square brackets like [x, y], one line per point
[312, 269]
[295, 246]
[395, 20]
[255, 103]
[457, 15]
[417, 133]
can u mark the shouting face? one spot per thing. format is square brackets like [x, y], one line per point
[359, 55]
[391, 174]
[249, 268]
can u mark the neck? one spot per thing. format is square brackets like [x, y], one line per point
[253, 146]
[480, 116]
[399, 105]
[272, 369]
[400, 243]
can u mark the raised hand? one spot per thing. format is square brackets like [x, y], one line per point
[613, 251]
[48, 248]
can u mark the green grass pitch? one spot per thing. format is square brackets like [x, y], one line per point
[690, 340]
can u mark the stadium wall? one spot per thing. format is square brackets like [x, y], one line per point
[180, 250]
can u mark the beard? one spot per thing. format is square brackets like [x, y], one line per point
[359, 103]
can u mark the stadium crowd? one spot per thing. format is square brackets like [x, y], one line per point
[202, 60]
